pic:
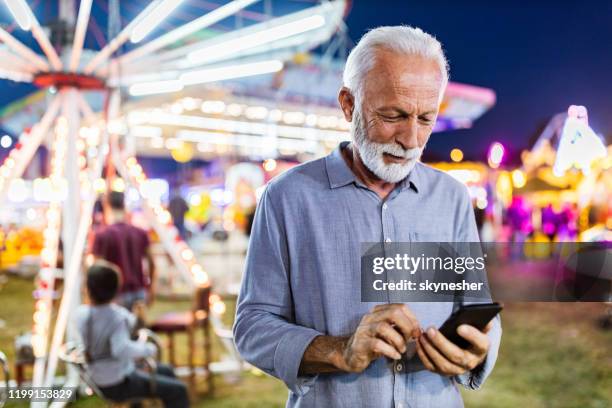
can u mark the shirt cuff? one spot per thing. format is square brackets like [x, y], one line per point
[475, 378]
[288, 357]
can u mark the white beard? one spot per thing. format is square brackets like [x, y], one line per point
[371, 154]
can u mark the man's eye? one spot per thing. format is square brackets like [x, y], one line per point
[426, 121]
[391, 118]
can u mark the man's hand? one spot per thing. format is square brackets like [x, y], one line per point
[441, 356]
[382, 332]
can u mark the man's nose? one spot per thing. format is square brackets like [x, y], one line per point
[407, 134]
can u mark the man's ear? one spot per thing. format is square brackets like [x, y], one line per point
[347, 103]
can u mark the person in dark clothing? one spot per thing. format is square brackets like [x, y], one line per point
[177, 207]
[105, 329]
[127, 247]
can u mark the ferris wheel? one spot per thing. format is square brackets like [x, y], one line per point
[83, 142]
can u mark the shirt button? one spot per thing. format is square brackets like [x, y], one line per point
[399, 367]
[388, 240]
[384, 206]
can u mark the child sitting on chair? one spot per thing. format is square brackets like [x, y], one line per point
[105, 329]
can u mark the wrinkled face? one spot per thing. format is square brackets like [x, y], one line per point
[396, 114]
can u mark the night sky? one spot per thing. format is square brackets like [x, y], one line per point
[538, 56]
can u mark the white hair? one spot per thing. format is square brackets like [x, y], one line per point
[401, 39]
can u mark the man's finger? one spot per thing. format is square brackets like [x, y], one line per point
[449, 349]
[478, 339]
[379, 347]
[388, 333]
[396, 316]
[488, 327]
[442, 364]
[424, 359]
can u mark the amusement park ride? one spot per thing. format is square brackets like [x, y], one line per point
[83, 143]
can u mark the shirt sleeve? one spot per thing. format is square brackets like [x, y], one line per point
[468, 232]
[123, 347]
[265, 332]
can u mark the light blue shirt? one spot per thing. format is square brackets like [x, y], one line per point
[302, 280]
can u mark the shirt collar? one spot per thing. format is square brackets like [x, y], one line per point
[340, 174]
[338, 171]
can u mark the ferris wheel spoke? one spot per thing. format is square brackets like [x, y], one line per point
[79, 34]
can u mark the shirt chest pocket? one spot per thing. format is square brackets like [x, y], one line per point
[434, 235]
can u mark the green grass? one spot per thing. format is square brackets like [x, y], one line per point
[552, 355]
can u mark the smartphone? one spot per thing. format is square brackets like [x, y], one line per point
[478, 315]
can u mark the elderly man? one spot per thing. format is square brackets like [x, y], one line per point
[300, 317]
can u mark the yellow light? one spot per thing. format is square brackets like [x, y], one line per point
[456, 155]
[482, 203]
[85, 187]
[187, 254]
[118, 185]
[41, 305]
[93, 137]
[183, 152]
[218, 308]
[100, 185]
[518, 179]
[269, 165]
[40, 317]
[201, 278]
[503, 187]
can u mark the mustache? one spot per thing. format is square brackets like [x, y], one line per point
[398, 151]
[360, 137]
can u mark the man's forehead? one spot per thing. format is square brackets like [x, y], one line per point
[401, 75]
